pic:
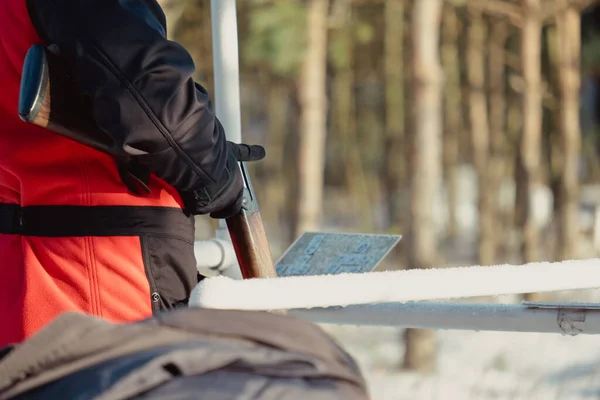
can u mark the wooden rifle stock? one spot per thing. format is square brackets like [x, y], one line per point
[248, 236]
[47, 99]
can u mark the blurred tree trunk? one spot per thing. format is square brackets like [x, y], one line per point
[480, 135]
[530, 143]
[553, 151]
[313, 121]
[569, 38]
[395, 163]
[274, 180]
[290, 168]
[344, 118]
[451, 28]
[465, 142]
[400, 252]
[498, 155]
[370, 101]
[339, 56]
[514, 126]
[409, 110]
[426, 164]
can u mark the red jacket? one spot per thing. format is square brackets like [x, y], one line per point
[71, 235]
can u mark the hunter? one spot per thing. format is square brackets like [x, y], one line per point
[72, 236]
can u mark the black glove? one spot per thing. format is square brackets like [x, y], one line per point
[224, 199]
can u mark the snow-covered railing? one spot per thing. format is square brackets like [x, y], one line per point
[402, 298]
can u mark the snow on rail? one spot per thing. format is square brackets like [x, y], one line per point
[304, 292]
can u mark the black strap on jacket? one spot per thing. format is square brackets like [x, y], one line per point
[72, 221]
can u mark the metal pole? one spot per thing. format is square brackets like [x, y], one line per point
[227, 85]
[226, 67]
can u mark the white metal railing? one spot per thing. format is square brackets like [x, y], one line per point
[568, 319]
[216, 257]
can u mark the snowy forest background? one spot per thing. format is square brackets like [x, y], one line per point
[471, 127]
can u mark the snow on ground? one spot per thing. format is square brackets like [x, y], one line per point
[482, 365]
[479, 365]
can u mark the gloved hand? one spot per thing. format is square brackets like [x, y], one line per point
[239, 152]
[224, 199]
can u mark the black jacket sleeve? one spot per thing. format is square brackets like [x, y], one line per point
[140, 87]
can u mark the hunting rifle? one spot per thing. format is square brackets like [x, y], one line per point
[47, 99]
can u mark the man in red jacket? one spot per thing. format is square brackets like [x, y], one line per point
[72, 237]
